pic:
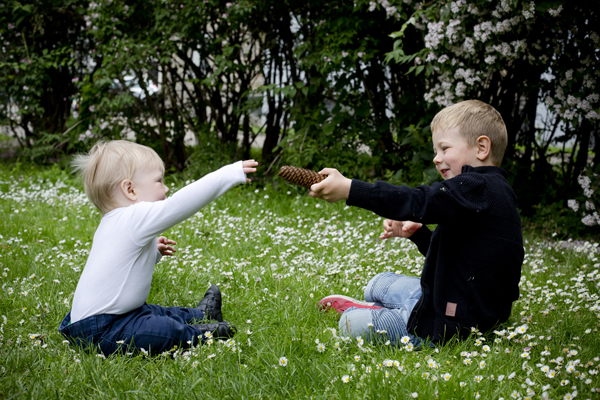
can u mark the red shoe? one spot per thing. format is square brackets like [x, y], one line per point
[341, 303]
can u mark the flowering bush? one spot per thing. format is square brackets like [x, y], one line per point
[536, 62]
[586, 204]
[472, 46]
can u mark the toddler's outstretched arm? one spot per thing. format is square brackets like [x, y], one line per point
[404, 229]
[164, 246]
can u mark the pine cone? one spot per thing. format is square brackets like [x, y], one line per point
[300, 176]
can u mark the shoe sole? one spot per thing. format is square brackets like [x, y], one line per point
[341, 303]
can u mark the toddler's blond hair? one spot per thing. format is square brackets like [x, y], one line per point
[108, 164]
[474, 118]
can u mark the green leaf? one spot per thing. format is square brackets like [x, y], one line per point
[363, 109]
[328, 128]
[400, 33]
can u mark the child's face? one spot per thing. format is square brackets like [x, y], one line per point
[452, 152]
[148, 185]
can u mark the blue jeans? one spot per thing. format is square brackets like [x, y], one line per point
[150, 327]
[398, 294]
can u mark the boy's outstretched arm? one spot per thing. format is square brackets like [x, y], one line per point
[249, 167]
[334, 188]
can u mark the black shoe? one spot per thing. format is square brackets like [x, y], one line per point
[218, 330]
[210, 305]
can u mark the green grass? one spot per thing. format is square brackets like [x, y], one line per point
[275, 253]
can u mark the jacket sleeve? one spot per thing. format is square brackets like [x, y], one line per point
[422, 238]
[440, 203]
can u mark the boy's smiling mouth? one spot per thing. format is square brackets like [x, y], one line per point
[444, 171]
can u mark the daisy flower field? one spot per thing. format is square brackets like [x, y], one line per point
[275, 252]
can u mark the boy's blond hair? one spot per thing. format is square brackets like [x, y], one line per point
[474, 118]
[108, 164]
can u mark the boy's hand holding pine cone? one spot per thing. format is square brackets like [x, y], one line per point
[336, 187]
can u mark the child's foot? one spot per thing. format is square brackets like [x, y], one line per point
[210, 305]
[341, 303]
[217, 330]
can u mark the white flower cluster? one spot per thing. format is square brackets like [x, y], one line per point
[465, 57]
[483, 31]
[469, 45]
[452, 29]
[529, 10]
[573, 205]
[455, 6]
[555, 12]
[503, 7]
[592, 218]
[390, 10]
[435, 34]
[585, 182]
[470, 76]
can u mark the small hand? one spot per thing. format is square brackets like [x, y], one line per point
[334, 188]
[163, 246]
[403, 229]
[249, 167]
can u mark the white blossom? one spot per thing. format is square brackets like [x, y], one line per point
[483, 31]
[589, 220]
[434, 35]
[555, 12]
[589, 205]
[451, 30]
[592, 115]
[573, 205]
[490, 59]
[460, 89]
[569, 75]
[469, 45]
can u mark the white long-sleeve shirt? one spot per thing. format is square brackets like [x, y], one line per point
[118, 273]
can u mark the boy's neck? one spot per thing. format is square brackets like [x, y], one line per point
[485, 163]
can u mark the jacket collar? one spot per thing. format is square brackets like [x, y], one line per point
[487, 169]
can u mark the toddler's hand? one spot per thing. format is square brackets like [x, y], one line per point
[404, 229]
[249, 167]
[334, 188]
[163, 245]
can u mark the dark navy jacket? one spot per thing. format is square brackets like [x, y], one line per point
[472, 259]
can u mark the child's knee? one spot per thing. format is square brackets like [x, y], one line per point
[356, 322]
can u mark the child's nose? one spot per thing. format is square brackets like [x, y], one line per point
[437, 159]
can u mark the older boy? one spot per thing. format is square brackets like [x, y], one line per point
[125, 181]
[472, 259]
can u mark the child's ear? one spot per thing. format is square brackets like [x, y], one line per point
[127, 189]
[484, 147]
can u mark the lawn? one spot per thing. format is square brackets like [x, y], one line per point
[275, 252]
